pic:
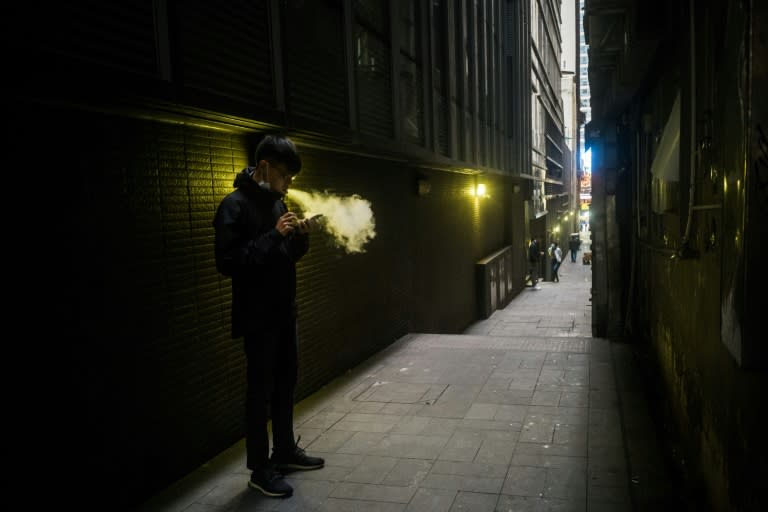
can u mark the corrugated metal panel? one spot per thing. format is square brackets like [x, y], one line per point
[411, 102]
[225, 49]
[315, 61]
[373, 14]
[410, 31]
[116, 35]
[469, 142]
[443, 128]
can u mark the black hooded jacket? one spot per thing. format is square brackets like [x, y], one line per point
[261, 262]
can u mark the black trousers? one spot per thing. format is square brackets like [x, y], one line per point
[555, 268]
[272, 373]
[533, 271]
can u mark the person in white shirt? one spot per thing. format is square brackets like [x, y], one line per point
[557, 258]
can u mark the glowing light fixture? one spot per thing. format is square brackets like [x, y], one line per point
[478, 190]
[557, 229]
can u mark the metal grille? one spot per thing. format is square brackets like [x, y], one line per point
[315, 62]
[115, 35]
[374, 83]
[225, 49]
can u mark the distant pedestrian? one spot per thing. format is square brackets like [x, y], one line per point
[574, 245]
[557, 258]
[534, 256]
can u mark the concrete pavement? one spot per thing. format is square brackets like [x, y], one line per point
[525, 411]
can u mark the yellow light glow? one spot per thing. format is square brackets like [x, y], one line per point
[557, 229]
[481, 189]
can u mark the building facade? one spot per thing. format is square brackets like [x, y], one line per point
[678, 205]
[151, 110]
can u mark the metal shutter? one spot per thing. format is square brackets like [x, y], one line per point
[373, 67]
[225, 49]
[315, 61]
[115, 35]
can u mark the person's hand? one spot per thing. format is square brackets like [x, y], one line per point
[309, 225]
[287, 223]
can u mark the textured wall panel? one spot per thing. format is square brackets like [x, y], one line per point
[120, 36]
[315, 61]
[226, 49]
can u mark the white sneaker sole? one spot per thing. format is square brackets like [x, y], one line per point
[298, 466]
[268, 493]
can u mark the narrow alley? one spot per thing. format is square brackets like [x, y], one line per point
[525, 411]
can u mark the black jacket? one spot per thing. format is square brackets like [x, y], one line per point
[533, 252]
[261, 262]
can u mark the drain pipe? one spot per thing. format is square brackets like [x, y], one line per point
[635, 233]
[685, 250]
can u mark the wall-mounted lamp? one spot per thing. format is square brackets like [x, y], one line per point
[477, 189]
[423, 187]
[516, 189]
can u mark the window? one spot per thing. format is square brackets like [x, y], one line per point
[411, 75]
[373, 67]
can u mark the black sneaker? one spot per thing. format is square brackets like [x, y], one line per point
[270, 483]
[298, 459]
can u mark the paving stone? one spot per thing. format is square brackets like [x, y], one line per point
[495, 452]
[410, 446]
[371, 470]
[330, 441]
[482, 411]
[432, 500]
[524, 481]
[474, 502]
[408, 472]
[346, 505]
[361, 442]
[411, 425]
[442, 467]
[463, 483]
[370, 492]
[462, 446]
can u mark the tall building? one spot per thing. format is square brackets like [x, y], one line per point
[584, 93]
[539, 150]
[570, 96]
[585, 109]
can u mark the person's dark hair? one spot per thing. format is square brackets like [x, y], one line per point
[280, 149]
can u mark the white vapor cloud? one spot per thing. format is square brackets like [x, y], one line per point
[348, 219]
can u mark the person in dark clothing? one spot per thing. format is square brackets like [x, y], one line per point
[573, 245]
[258, 242]
[534, 255]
